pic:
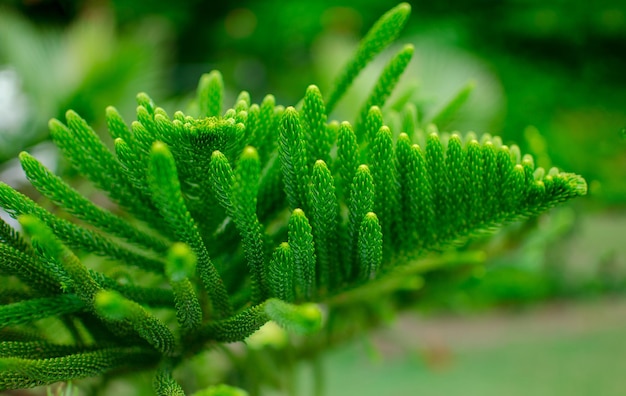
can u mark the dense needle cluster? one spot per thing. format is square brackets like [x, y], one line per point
[243, 216]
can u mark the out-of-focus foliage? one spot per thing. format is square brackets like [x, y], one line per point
[89, 64]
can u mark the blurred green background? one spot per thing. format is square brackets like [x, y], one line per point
[550, 76]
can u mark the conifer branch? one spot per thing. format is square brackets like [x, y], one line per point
[243, 192]
[385, 176]
[210, 92]
[280, 275]
[269, 116]
[347, 159]
[12, 238]
[18, 373]
[237, 327]
[74, 236]
[236, 192]
[168, 198]
[360, 209]
[164, 383]
[373, 122]
[300, 319]
[149, 296]
[324, 223]
[293, 159]
[370, 246]
[386, 82]
[301, 243]
[445, 114]
[116, 125]
[116, 307]
[384, 32]
[361, 202]
[82, 147]
[181, 265]
[28, 311]
[25, 267]
[318, 139]
[41, 349]
[68, 269]
[71, 200]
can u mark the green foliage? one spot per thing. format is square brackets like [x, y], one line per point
[181, 265]
[383, 33]
[387, 81]
[207, 205]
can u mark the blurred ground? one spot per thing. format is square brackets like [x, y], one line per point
[556, 349]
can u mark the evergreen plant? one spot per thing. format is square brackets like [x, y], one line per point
[228, 219]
